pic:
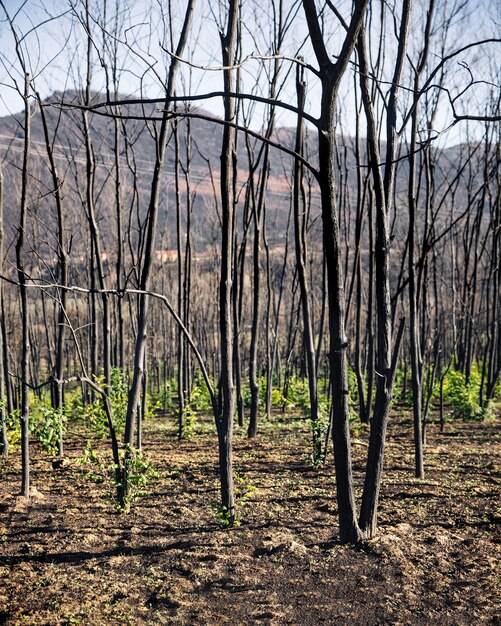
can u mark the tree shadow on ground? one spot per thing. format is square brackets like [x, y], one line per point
[81, 556]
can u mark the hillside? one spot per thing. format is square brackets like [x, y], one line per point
[198, 179]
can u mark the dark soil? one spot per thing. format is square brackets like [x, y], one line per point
[66, 557]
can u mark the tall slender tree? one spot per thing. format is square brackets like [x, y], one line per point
[330, 74]
[225, 413]
[152, 217]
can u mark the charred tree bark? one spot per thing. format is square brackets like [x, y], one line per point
[22, 279]
[415, 349]
[144, 282]
[224, 417]
[300, 248]
[4, 441]
[330, 76]
[386, 362]
[58, 385]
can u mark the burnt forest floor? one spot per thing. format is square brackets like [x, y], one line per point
[66, 557]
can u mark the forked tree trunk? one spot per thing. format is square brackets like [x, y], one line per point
[386, 361]
[330, 76]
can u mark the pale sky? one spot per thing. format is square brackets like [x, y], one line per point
[55, 53]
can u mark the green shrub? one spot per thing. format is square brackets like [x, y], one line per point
[277, 399]
[199, 399]
[94, 413]
[94, 468]
[140, 472]
[47, 425]
[13, 423]
[119, 392]
[73, 402]
[464, 398]
[190, 421]
[163, 399]
[398, 387]
[224, 519]
[298, 395]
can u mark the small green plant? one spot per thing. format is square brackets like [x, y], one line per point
[13, 423]
[277, 399]
[119, 390]
[47, 425]
[244, 489]
[163, 399]
[463, 398]
[297, 393]
[299, 396]
[94, 415]
[319, 428]
[73, 401]
[243, 493]
[225, 519]
[399, 393]
[153, 406]
[139, 470]
[198, 401]
[95, 469]
[190, 421]
[134, 464]
[199, 398]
